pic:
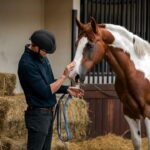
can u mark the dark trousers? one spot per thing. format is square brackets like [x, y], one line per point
[39, 124]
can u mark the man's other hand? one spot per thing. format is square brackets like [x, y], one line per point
[76, 92]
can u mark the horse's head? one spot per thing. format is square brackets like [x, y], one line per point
[91, 47]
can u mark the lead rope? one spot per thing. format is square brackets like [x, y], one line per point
[58, 113]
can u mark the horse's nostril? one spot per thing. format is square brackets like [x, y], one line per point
[77, 77]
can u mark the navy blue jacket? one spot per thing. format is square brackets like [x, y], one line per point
[35, 75]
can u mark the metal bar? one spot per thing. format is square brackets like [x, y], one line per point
[93, 75]
[107, 71]
[96, 11]
[144, 19]
[109, 13]
[98, 73]
[136, 17]
[138, 14]
[148, 21]
[85, 11]
[126, 15]
[141, 19]
[101, 20]
[131, 15]
[105, 11]
[91, 14]
[74, 33]
[122, 10]
[103, 71]
[117, 12]
[113, 12]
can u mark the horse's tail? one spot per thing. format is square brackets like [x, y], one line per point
[141, 46]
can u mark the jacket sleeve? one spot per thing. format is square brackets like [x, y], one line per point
[63, 89]
[36, 82]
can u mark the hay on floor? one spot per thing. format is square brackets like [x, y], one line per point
[107, 142]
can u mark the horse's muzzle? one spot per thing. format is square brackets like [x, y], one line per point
[79, 78]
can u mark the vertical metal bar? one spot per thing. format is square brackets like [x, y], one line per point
[148, 21]
[136, 18]
[98, 73]
[113, 12]
[141, 19]
[88, 76]
[131, 15]
[91, 14]
[85, 6]
[105, 11]
[127, 14]
[103, 71]
[93, 74]
[117, 12]
[108, 71]
[110, 12]
[101, 14]
[144, 20]
[138, 15]
[96, 11]
[121, 12]
[74, 32]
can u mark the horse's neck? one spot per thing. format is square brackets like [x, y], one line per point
[117, 61]
[133, 47]
[123, 38]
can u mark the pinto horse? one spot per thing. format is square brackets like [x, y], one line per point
[129, 57]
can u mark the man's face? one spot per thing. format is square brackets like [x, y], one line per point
[43, 53]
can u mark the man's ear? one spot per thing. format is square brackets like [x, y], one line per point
[94, 25]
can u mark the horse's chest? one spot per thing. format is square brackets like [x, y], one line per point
[134, 91]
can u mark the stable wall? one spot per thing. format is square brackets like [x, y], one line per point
[58, 16]
[18, 19]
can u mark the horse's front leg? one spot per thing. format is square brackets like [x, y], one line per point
[135, 128]
[147, 124]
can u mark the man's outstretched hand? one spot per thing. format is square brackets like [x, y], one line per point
[76, 92]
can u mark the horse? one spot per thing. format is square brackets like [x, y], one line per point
[129, 57]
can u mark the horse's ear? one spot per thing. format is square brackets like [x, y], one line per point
[79, 24]
[94, 25]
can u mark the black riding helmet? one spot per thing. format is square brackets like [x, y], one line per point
[44, 40]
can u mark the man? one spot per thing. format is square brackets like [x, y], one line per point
[37, 80]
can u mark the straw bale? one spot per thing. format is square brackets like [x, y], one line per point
[7, 84]
[10, 144]
[12, 115]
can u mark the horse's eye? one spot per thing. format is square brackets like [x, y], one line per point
[89, 45]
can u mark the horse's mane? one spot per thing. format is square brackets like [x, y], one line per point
[141, 47]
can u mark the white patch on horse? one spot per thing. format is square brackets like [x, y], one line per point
[78, 56]
[139, 55]
[147, 124]
[135, 128]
